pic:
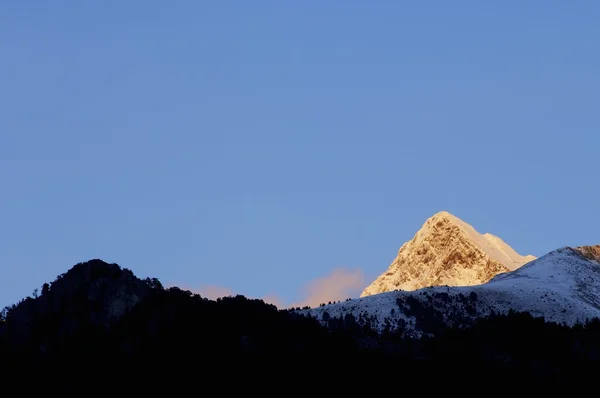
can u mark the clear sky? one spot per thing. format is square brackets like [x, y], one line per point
[259, 146]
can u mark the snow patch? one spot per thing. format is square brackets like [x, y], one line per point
[563, 286]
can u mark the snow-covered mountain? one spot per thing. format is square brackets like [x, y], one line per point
[447, 251]
[563, 286]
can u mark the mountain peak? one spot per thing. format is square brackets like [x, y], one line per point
[445, 216]
[442, 213]
[447, 251]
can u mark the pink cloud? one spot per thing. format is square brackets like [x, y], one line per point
[339, 285]
[273, 299]
[214, 292]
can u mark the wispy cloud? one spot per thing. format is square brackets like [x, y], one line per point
[213, 292]
[273, 299]
[339, 285]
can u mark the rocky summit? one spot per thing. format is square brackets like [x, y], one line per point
[447, 251]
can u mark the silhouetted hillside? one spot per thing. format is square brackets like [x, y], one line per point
[81, 303]
[100, 318]
[123, 315]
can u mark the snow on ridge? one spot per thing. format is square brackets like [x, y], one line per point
[562, 286]
[511, 259]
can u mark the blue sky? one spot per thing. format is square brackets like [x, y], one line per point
[259, 146]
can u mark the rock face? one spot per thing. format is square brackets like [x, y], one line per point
[591, 253]
[447, 251]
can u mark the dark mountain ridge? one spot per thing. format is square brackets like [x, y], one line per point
[99, 316]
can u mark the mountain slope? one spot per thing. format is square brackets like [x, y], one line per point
[563, 286]
[97, 309]
[447, 251]
[90, 296]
